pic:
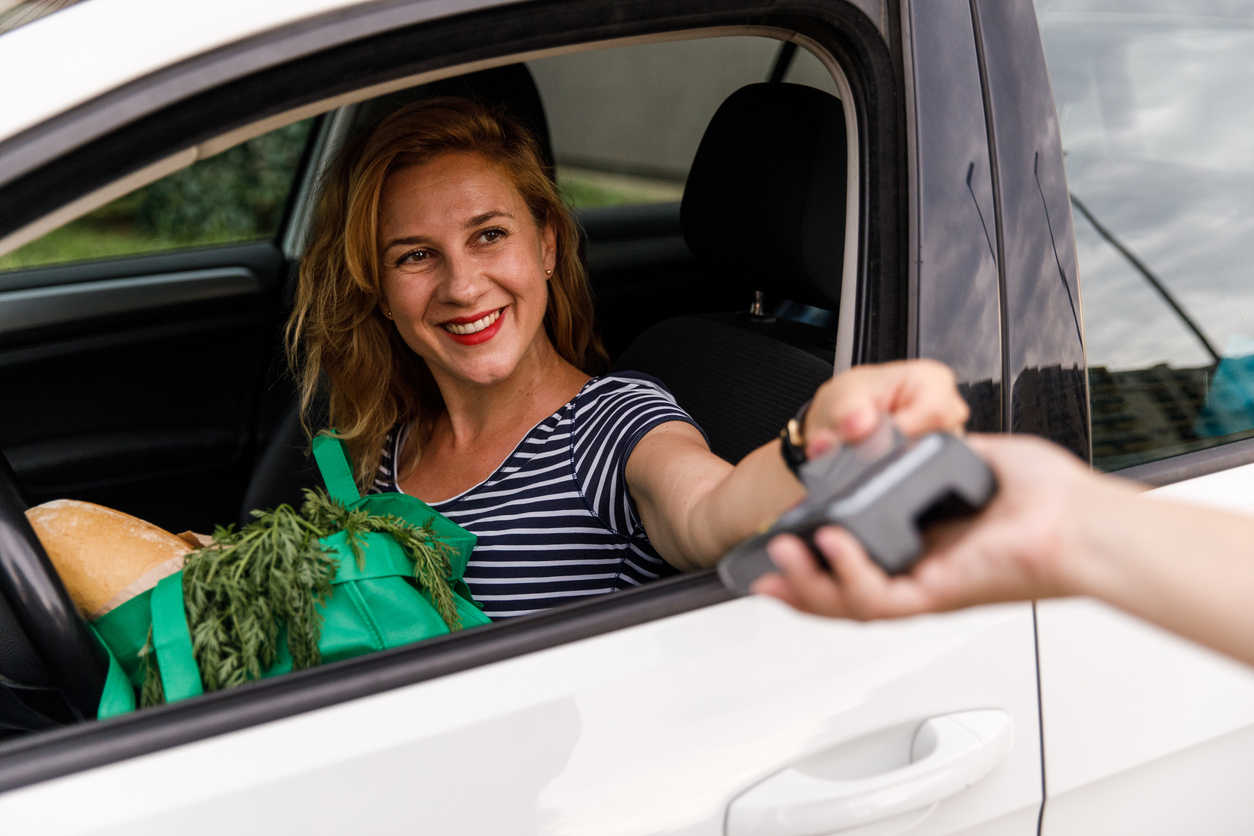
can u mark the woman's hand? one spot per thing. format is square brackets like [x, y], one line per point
[1021, 547]
[919, 395]
[695, 506]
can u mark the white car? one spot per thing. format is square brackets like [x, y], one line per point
[158, 164]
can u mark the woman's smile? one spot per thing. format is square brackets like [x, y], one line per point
[474, 329]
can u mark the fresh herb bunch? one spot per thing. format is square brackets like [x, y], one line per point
[243, 589]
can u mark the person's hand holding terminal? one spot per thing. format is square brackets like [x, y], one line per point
[1055, 528]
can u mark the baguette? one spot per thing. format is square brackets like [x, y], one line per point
[104, 557]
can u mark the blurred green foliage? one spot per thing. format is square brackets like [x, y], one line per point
[237, 195]
[585, 188]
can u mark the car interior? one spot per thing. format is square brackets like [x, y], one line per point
[178, 408]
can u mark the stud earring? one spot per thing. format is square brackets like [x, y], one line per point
[389, 314]
[548, 272]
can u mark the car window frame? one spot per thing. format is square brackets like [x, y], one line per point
[1190, 465]
[840, 30]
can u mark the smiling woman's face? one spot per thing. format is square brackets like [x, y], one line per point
[464, 269]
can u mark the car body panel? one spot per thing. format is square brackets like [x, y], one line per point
[1145, 732]
[651, 729]
[91, 66]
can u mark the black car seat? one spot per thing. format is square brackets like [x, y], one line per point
[285, 468]
[764, 212]
[511, 87]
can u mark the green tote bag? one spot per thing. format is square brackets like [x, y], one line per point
[372, 606]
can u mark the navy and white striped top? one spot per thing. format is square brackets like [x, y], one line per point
[555, 521]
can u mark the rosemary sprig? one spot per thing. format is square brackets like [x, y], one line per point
[243, 589]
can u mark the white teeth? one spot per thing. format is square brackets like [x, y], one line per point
[473, 327]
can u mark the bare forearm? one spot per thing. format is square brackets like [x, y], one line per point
[694, 505]
[756, 490]
[1188, 569]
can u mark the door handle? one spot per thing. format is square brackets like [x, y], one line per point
[948, 754]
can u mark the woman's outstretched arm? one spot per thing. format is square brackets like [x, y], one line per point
[695, 506]
[1055, 528]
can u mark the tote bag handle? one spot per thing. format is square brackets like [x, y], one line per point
[337, 468]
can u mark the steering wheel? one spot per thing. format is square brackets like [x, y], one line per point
[42, 608]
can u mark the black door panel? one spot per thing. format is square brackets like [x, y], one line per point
[77, 304]
[134, 383]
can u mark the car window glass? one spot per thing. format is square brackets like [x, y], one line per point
[236, 196]
[1156, 108]
[626, 121]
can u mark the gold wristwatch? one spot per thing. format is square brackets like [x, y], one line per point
[792, 439]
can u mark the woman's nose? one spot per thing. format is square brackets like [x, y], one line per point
[463, 284]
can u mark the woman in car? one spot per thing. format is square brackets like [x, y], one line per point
[443, 302]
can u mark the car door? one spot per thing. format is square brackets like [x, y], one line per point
[1145, 732]
[656, 728]
[666, 709]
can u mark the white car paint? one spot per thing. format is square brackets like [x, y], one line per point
[105, 44]
[1145, 732]
[649, 730]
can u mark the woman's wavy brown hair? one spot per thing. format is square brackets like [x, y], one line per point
[337, 335]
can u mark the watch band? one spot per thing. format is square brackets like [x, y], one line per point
[792, 442]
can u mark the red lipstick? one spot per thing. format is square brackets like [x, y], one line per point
[464, 323]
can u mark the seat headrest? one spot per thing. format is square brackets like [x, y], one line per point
[764, 205]
[511, 86]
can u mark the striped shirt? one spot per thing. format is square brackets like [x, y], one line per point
[555, 521]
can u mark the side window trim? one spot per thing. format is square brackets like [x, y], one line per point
[847, 315]
[333, 130]
[1174, 469]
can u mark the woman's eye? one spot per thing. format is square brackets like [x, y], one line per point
[491, 236]
[413, 257]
